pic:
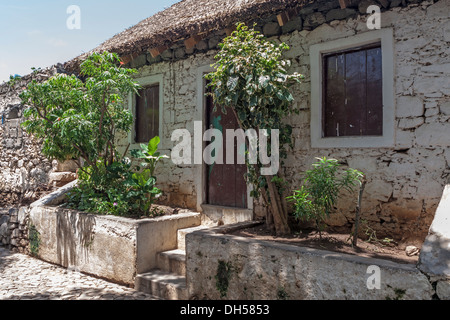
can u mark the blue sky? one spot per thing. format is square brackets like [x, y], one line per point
[34, 33]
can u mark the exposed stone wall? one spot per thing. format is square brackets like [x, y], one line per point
[405, 182]
[14, 229]
[24, 170]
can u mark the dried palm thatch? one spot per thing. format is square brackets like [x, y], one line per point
[185, 19]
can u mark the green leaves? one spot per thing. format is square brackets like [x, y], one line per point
[321, 189]
[78, 118]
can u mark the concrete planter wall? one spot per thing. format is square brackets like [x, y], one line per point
[109, 247]
[223, 266]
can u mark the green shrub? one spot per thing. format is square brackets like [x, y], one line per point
[321, 188]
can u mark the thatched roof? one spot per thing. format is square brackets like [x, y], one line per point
[188, 18]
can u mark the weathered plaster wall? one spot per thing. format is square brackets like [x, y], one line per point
[23, 169]
[405, 181]
[223, 266]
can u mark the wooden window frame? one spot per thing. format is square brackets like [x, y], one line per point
[317, 51]
[145, 82]
[325, 82]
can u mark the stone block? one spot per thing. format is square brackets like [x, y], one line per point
[408, 106]
[443, 289]
[4, 230]
[411, 123]
[363, 5]
[271, 29]
[433, 135]
[313, 20]
[446, 31]
[295, 24]
[444, 107]
[139, 62]
[379, 190]
[438, 10]
[339, 14]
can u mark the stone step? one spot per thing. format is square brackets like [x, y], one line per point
[182, 235]
[173, 261]
[220, 215]
[162, 284]
[59, 179]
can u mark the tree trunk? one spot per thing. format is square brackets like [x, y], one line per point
[279, 215]
[358, 212]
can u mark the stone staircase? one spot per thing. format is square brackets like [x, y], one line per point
[168, 281]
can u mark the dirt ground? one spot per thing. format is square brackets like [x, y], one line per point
[380, 249]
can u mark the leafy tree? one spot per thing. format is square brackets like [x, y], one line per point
[81, 117]
[251, 80]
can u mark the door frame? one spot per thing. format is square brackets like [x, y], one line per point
[200, 114]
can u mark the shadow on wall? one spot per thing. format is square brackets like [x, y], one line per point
[73, 229]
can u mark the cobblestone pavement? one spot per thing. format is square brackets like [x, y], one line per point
[25, 278]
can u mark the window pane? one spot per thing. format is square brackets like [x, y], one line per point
[353, 102]
[147, 113]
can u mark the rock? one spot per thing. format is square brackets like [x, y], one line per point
[433, 135]
[408, 106]
[443, 289]
[410, 123]
[271, 29]
[439, 9]
[139, 62]
[445, 108]
[313, 20]
[412, 251]
[363, 5]
[61, 178]
[4, 230]
[339, 14]
[295, 24]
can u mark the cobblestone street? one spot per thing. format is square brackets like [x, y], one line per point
[25, 278]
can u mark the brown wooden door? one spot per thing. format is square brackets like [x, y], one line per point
[225, 183]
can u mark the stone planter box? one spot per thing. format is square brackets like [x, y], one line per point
[113, 248]
[223, 266]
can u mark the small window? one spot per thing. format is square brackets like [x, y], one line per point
[353, 92]
[147, 113]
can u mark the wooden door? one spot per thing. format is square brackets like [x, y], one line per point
[225, 183]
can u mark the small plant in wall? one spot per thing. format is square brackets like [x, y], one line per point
[321, 189]
[251, 80]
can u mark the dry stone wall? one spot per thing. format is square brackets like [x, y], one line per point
[405, 181]
[24, 170]
[14, 227]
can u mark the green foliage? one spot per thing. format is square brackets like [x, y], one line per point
[13, 80]
[77, 118]
[119, 189]
[321, 188]
[35, 240]
[252, 79]
[80, 117]
[224, 272]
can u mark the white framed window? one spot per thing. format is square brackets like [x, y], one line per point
[352, 91]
